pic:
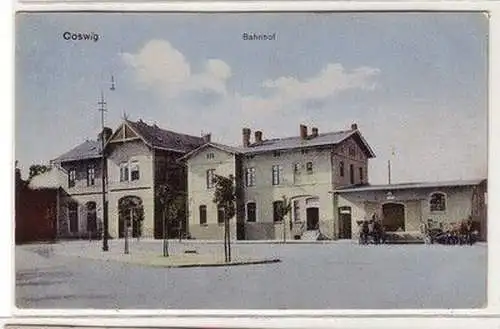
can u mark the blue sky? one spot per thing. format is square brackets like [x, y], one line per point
[415, 82]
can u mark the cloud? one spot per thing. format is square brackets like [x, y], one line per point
[290, 92]
[160, 67]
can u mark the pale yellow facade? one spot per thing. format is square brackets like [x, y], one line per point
[201, 194]
[127, 154]
[415, 205]
[307, 177]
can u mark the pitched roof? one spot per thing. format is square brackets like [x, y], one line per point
[276, 144]
[226, 148]
[90, 149]
[287, 143]
[157, 137]
[404, 186]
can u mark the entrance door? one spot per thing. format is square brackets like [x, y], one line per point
[393, 217]
[345, 226]
[130, 213]
[312, 218]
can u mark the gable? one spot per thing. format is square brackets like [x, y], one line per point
[351, 148]
[209, 153]
[123, 134]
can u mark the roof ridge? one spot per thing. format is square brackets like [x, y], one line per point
[155, 126]
[298, 136]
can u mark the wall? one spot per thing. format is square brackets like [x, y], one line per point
[81, 200]
[35, 215]
[81, 194]
[359, 160]
[198, 194]
[293, 186]
[416, 201]
[142, 188]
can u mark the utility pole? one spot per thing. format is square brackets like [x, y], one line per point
[102, 109]
[393, 152]
[389, 170]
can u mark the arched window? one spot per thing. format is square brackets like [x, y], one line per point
[438, 201]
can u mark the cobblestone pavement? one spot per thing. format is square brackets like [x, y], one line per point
[309, 276]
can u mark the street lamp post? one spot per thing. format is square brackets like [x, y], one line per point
[102, 109]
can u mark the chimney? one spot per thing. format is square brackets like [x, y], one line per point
[258, 137]
[354, 126]
[207, 138]
[246, 136]
[303, 132]
[315, 132]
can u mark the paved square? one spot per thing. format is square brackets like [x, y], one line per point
[339, 275]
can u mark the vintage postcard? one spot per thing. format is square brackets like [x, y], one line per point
[308, 161]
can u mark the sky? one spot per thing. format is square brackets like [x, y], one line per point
[415, 83]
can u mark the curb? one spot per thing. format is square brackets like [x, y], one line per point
[240, 263]
[233, 263]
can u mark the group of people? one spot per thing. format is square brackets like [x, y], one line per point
[461, 234]
[372, 231]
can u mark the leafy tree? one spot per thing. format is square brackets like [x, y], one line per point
[37, 169]
[172, 203]
[224, 198]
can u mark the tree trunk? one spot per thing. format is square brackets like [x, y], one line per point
[225, 239]
[127, 222]
[228, 241]
[165, 237]
[284, 229]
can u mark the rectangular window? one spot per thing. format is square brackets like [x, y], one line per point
[341, 168]
[250, 176]
[210, 156]
[220, 215]
[309, 167]
[134, 170]
[277, 211]
[210, 178]
[276, 154]
[296, 210]
[203, 215]
[296, 168]
[73, 217]
[351, 173]
[251, 212]
[277, 173]
[361, 174]
[72, 177]
[91, 175]
[124, 172]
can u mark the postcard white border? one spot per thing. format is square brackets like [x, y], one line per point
[288, 318]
